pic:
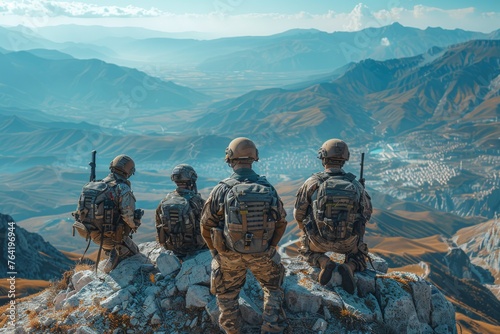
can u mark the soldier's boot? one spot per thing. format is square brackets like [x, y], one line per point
[112, 261]
[131, 246]
[346, 271]
[327, 267]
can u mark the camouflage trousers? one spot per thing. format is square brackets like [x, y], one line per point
[314, 253]
[229, 271]
[125, 248]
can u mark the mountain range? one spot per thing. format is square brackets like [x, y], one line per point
[424, 107]
[379, 99]
[49, 80]
[290, 51]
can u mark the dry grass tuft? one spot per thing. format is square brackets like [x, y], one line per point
[82, 267]
[119, 321]
[63, 283]
[350, 319]
[405, 281]
[35, 324]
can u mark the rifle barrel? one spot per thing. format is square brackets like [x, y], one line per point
[361, 178]
[92, 166]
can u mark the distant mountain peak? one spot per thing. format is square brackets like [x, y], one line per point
[299, 31]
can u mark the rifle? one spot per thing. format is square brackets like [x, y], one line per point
[361, 178]
[92, 167]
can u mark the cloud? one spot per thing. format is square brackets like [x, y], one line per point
[40, 8]
[230, 24]
[357, 18]
[385, 41]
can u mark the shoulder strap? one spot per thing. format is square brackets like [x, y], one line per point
[350, 176]
[230, 182]
[263, 181]
[321, 177]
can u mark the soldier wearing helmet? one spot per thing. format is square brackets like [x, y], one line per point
[178, 214]
[229, 264]
[325, 201]
[117, 244]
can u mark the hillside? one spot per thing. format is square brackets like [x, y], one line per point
[34, 257]
[376, 99]
[28, 80]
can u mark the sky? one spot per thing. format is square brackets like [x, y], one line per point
[222, 18]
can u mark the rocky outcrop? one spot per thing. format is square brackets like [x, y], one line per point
[159, 294]
[33, 257]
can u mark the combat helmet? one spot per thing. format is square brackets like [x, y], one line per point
[242, 148]
[122, 165]
[183, 173]
[334, 149]
[184, 176]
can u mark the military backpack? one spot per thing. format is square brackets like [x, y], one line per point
[178, 222]
[335, 206]
[96, 209]
[251, 213]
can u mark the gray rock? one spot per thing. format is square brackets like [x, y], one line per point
[47, 321]
[149, 305]
[125, 271]
[397, 305]
[299, 298]
[443, 312]
[421, 291]
[320, 325]
[197, 296]
[194, 271]
[85, 330]
[155, 320]
[379, 264]
[82, 278]
[417, 327]
[167, 264]
[151, 250]
[59, 299]
[116, 299]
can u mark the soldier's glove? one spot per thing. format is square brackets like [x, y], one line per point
[138, 213]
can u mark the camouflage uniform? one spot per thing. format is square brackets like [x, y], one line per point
[230, 268]
[119, 240]
[191, 243]
[313, 246]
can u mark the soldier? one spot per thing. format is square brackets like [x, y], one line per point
[332, 209]
[178, 214]
[106, 212]
[242, 222]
